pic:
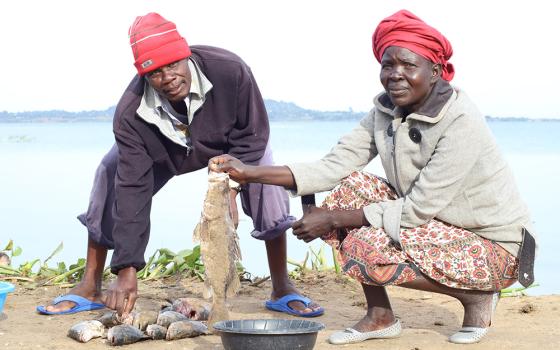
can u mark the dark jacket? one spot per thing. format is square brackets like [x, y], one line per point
[232, 120]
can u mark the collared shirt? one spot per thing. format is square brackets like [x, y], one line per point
[156, 110]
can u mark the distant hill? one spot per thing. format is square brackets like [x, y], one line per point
[277, 111]
[56, 116]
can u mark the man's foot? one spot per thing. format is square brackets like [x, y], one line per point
[296, 305]
[80, 290]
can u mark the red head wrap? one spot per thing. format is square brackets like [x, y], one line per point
[404, 29]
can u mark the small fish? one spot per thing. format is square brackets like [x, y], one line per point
[166, 318]
[124, 334]
[219, 246]
[185, 329]
[156, 332]
[142, 319]
[4, 259]
[86, 330]
[112, 318]
[194, 309]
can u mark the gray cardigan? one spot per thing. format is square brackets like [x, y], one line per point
[446, 166]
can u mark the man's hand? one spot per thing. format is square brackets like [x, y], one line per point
[122, 293]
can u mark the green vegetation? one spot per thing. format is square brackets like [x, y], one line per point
[516, 292]
[161, 264]
[318, 262]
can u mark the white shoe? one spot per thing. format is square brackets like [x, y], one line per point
[350, 335]
[468, 335]
[471, 335]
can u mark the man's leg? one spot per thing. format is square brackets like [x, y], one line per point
[90, 285]
[99, 222]
[276, 251]
[268, 206]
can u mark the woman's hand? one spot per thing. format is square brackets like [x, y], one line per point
[314, 223]
[318, 221]
[225, 163]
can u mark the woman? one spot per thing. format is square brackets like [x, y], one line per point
[448, 219]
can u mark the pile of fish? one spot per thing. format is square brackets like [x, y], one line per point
[185, 318]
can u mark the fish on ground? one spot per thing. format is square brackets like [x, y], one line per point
[165, 318]
[219, 246]
[125, 334]
[156, 332]
[86, 330]
[185, 329]
[194, 309]
[4, 259]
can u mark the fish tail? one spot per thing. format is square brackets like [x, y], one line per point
[219, 313]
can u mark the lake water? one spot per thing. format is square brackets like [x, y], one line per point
[47, 170]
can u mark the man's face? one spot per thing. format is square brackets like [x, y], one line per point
[407, 77]
[172, 81]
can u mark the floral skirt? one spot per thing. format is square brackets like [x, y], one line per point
[444, 253]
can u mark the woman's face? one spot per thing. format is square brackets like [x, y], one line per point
[407, 77]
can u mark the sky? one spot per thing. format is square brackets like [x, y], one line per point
[75, 55]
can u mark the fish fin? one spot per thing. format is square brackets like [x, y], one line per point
[208, 291]
[234, 286]
[235, 247]
[196, 233]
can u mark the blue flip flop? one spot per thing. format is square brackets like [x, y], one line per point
[281, 305]
[82, 304]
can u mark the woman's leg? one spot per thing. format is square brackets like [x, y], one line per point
[379, 313]
[477, 304]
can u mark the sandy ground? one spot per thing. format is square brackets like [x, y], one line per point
[428, 319]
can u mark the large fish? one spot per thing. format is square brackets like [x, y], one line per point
[219, 247]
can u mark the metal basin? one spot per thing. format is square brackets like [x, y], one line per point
[272, 334]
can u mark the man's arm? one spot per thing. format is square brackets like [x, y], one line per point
[249, 136]
[134, 186]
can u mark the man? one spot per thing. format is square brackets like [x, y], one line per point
[185, 106]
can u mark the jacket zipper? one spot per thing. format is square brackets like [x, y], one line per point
[394, 156]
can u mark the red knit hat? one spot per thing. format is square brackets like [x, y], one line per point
[155, 42]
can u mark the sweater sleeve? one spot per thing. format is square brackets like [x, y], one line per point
[439, 182]
[133, 197]
[352, 152]
[249, 136]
